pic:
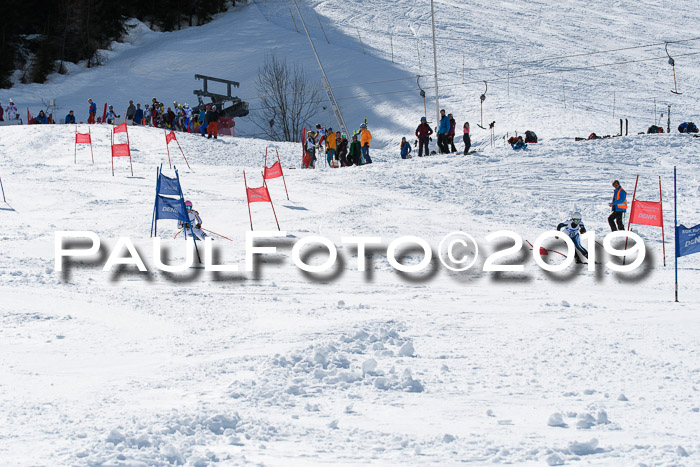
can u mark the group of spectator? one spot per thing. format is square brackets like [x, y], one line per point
[179, 117]
[338, 150]
[445, 137]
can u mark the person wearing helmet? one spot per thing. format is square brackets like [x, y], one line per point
[574, 228]
[365, 138]
[92, 111]
[194, 226]
[111, 116]
[423, 133]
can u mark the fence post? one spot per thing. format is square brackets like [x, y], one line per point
[391, 38]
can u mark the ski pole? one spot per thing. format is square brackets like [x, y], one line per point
[222, 236]
[178, 233]
[3, 192]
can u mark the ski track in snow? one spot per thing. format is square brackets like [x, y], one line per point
[129, 368]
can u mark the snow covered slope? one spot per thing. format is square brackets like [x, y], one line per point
[287, 368]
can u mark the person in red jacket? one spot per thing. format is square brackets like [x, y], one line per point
[423, 133]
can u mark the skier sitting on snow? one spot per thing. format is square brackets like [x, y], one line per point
[195, 223]
[405, 149]
[573, 228]
[519, 144]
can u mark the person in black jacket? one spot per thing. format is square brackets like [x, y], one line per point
[423, 133]
[213, 122]
[355, 154]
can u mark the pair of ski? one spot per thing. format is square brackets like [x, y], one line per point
[209, 231]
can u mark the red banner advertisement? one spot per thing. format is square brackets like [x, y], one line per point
[120, 128]
[273, 172]
[170, 137]
[646, 213]
[258, 195]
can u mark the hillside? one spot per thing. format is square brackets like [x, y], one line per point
[540, 94]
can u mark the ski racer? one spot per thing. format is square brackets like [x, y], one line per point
[111, 116]
[195, 223]
[574, 228]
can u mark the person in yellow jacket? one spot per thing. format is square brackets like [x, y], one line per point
[365, 138]
[330, 146]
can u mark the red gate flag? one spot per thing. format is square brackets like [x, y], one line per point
[121, 150]
[646, 213]
[273, 172]
[82, 138]
[29, 117]
[171, 137]
[258, 195]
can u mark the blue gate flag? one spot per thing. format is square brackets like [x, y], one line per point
[168, 186]
[169, 208]
[687, 240]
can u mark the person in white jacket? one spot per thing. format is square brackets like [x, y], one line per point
[195, 222]
[11, 111]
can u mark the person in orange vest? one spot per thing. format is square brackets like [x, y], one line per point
[619, 207]
[365, 138]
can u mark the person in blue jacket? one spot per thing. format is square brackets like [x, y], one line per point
[41, 118]
[70, 118]
[405, 149]
[619, 207]
[138, 115]
[519, 144]
[443, 129]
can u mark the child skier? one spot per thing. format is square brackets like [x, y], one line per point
[573, 228]
[195, 223]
